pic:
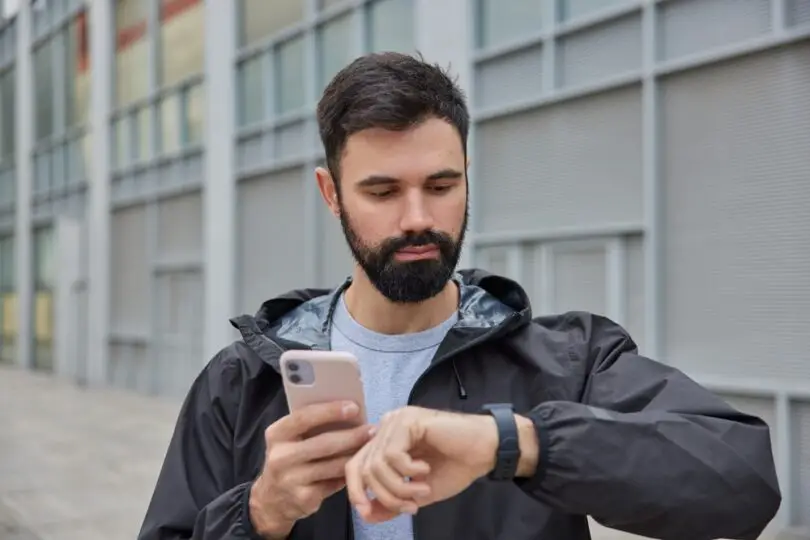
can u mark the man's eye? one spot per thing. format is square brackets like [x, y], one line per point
[382, 194]
[440, 189]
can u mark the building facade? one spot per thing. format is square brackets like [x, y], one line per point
[644, 159]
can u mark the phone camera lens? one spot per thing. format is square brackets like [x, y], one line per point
[292, 366]
[295, 378]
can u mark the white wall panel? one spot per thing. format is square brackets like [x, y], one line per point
[736, 195]
[130, 268]
[692, 26]
[180, 228]
[271, 237]
[571, 164]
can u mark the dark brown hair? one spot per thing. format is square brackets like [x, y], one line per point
[391, 91]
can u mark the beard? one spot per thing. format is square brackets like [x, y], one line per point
[406, 281]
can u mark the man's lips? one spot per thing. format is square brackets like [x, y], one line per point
[414, 253]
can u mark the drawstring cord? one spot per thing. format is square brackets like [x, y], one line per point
[462, 392]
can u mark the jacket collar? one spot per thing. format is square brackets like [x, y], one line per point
[302, 319]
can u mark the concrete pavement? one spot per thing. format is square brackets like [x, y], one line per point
[80, 464]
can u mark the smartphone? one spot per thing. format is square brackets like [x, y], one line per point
[323, 376]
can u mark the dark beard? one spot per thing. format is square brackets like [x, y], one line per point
[411, 281]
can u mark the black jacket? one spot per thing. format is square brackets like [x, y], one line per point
[633, 443]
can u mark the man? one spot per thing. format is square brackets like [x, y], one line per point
[589, 427]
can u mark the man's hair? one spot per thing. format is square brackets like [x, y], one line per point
[392, 91]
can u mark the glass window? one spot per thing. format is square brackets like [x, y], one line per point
[122, 142]
[336, 47]
[251, 91]
[502, 21]
[260, 19]
[7, 263]
[391, 26]
[132, 51]
[43, 92]
[77, 71]
[7, 112]
[144, 136]
[194, 114]
[170, 124]
[43, 258]
[8, 301]
[182, 34]
[290, 88]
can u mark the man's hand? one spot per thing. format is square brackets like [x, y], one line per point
[420, 456]
[299, 473]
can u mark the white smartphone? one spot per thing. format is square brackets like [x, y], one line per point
[322, 376]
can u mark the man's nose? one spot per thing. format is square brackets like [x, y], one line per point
[416, 216]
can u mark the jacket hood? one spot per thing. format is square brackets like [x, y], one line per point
[302, 318]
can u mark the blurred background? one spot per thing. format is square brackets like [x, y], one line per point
[644, 159]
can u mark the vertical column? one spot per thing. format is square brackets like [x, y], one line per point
[219, 192]
[443, 36]
[313, 248]
[25, 140]
[98, 214]
[653, 208]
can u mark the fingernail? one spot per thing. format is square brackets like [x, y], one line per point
[349, 409]
[372, 431]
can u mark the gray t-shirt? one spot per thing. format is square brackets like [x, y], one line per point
[390, 365]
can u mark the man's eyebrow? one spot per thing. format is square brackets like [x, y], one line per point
[376, 180]
[382, 180]
[446, 174]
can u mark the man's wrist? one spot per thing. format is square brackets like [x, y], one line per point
[264, 524]
[529, 447]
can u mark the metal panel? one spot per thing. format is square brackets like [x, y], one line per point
[335, 257]
[600, 52]
[504, 21]
[735, 168]
[290, 141]
[493, 259]
[572, 164]
[129, 272]
[179, 338]
[180, 225]
[634, 289]
[797, 12]
[692, 26]
[801, 460]
[523, 69]
[580, 279]
[271, 237]
[574, 9]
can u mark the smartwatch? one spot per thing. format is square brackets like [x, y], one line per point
[508, 454]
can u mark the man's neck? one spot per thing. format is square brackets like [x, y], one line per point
[374, 311]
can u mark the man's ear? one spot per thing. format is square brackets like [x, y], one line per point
[328, 189]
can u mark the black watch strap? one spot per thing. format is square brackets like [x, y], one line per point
[508, 455]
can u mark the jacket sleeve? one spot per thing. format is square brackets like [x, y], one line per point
[195, 496]
[649, 451]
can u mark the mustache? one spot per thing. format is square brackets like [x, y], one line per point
[424, 238]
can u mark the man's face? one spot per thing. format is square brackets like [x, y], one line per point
[402, 203]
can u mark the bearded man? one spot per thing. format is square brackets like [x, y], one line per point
[484, 421]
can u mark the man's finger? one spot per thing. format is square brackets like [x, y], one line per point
[299, 422]
[385, 480]
[333, 443]
[320, 471]
[355, 487]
